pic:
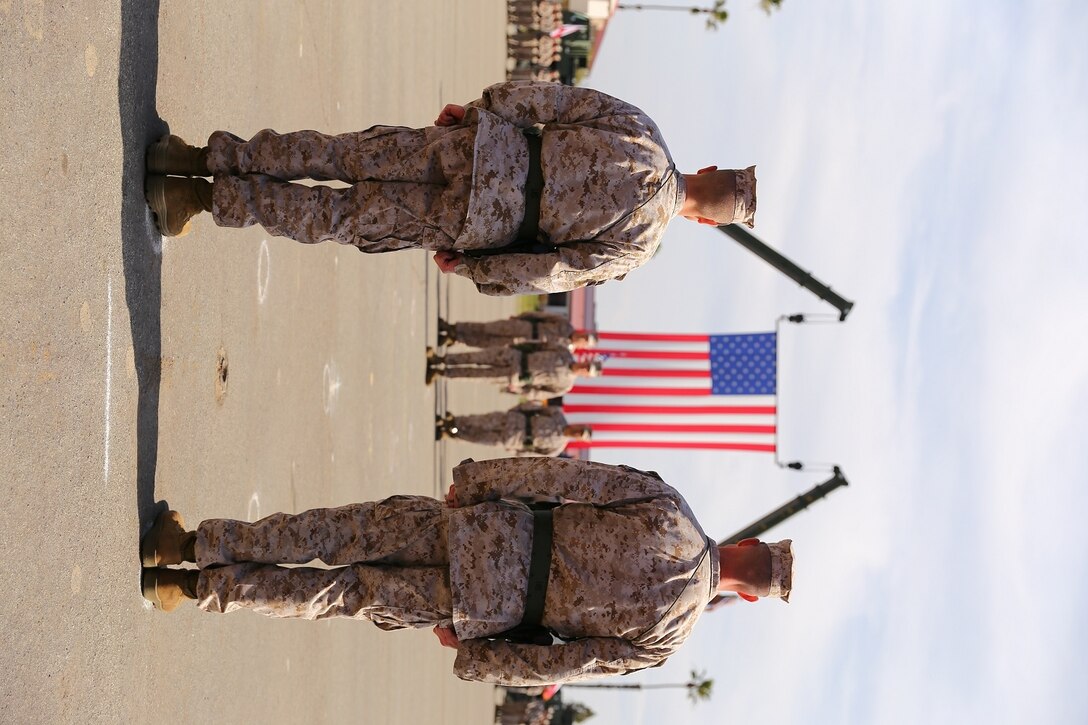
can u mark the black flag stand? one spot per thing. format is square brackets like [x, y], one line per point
[787, 510]
[780, 514]
[788, 268]
[796, 319]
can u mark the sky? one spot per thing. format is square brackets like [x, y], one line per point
[929, 161]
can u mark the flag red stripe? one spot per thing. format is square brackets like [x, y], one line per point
[651, 337]
[760, 447]
[652, 354]
[651, 373]
[672, 409]
[680, 428]
[617, 390]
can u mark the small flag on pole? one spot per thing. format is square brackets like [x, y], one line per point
[566, 29]
[696, 392]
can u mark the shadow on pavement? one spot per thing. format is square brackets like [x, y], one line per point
[140, 240]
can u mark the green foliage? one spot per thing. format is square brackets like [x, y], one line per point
[715, 15]
[581, 712]
[700, 687]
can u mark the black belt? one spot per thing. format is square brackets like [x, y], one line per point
[526, 376]
[528, 238]
[534, 185]
[528, 442]
[536, 328]
[531, 630]
[540, 564]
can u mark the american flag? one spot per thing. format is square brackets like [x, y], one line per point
[704, 392]
[566, 29]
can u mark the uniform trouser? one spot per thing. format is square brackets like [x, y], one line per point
[527, 38]
[536, 73]
[392, 558]
[492, 334]
[496, 363]
[492, 429]
[408, 188]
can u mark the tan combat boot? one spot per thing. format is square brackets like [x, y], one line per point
[168, 542]
[175, 201]
[435, 365]
[444, 426]
[168, 588]
[446, 334]
[171, 155]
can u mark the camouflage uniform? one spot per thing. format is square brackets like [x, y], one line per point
[409, 188]
[610, 186]
[526, 429]
[631, 568]
[546, 373]
[541, 326]
[392, 556]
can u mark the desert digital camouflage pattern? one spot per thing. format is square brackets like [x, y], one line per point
[547, 373]
[540, 326]
[631, 571]
[405, 535]
[631, 568]
[526, 429]
[610, 186]
[425, 208]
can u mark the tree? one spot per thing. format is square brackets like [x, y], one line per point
[715, 15]
[581, 712]
[699, 686]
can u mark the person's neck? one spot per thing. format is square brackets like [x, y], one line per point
[692, 187]
[739, 567]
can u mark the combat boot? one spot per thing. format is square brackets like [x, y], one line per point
[449, 424]
[446, 335]
[175, 201]
[168, 542]
[435, 366]
[444, 426]
[168, 588]
[171, 155]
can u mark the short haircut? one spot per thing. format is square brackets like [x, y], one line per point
[719, 199]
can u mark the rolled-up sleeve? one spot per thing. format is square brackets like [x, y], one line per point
[527, 103]
[507, 663]
[589, 482]
[569, 267]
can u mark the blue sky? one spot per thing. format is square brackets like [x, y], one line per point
[928, 160]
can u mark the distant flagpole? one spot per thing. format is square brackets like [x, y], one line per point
[787, 267]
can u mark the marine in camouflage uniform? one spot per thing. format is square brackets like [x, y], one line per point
[537, 326]
[610, 187]
[537, 371]
[529, 429]
[631, 569]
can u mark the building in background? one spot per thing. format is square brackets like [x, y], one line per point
[576, 38]
[579, 306]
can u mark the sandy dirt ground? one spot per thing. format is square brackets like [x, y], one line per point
[226, 373]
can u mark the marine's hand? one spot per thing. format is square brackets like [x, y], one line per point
[451, 498]
[447, 261]
[451, 115]
[447, 637]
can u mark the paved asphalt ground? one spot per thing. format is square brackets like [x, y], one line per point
[223, 374]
